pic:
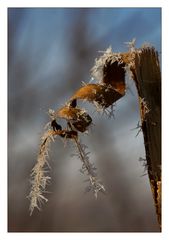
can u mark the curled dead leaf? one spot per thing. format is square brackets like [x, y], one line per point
[102, 94]
[78, 118]
[114, 74]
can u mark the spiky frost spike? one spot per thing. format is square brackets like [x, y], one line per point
[39, 176]
[89, 169]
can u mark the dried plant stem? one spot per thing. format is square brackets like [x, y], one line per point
[147, 76]
[39, 173]
[39, 177]
[95, 184]
[109, 70]
[82, 156]
[143, 67]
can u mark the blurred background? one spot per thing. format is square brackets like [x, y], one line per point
[50, 51]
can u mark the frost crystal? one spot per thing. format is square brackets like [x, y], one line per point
[89, 169]
[131, 45]
[97, 70]
[108, 56]
[39, 177]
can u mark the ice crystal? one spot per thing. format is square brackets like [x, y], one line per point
[131, 45]
[39, 174]
[97, 70]
[145, 165]
[89, 169]
[108, 56]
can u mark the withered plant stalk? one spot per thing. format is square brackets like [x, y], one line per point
[142, 66]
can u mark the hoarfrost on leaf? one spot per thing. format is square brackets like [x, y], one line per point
[97, 70]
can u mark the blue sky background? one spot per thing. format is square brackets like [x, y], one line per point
[50, 51]
[47, 33]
